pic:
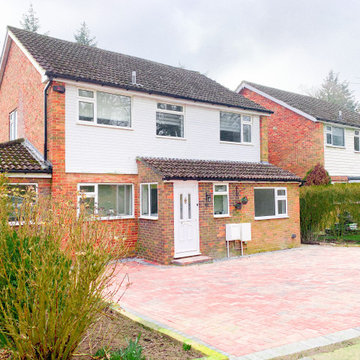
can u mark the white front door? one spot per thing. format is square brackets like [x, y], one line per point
[186, 219]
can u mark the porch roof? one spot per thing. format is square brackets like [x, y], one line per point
[210, 170]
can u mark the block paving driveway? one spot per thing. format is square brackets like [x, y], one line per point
[250, 304]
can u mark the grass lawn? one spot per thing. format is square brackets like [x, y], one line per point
[346, 353]
[351, 238]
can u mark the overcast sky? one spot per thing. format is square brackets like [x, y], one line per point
[289, 44]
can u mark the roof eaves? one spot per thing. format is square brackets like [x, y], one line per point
[347, 124]
[219, 178]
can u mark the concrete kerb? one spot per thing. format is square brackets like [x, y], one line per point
[210, 352]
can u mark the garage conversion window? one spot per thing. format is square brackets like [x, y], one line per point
[149, 200]
[102, 108]
[221, 200]
[357, 140]
[108, 201]
[335, 136]
[270, 203]
[170, 120]
[235, 127]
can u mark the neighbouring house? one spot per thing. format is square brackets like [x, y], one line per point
[167, 152]
[304, 131]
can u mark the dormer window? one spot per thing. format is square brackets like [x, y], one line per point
[335, 136]
[13, 125]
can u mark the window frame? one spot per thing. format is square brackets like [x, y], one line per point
[171, 112]
[329, 130]
[276, 198]
[95, 195]
[149, 217]
[15, 122]
[94, 102]
[250, 123]
[227, 193]
[357, 135]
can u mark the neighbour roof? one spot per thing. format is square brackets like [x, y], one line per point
[69, 60]
[18, 156]
[183, 169]
[319, 109]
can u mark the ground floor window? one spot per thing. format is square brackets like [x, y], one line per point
[107, 200]
[270, 203]
[221, 200]
[149, 200]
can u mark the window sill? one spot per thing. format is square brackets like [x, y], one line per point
[222, 216]
[85, 123]
[171, 137]
[149, 217]
[101, 218]
[336, 146]
[236, 143]
[271, 217]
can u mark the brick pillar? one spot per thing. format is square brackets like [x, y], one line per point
[264, 148]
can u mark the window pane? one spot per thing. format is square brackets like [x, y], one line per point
[169, 107]
[247, 133]
[154, 200]
[125, 200]
[17, 194]
[328, 139]
[247, 118]
[189, 206]
[264, 202]
[181, 207]
[86, 93]
[144, 200]
[220, 188]
[107, 200]
[113, 109]
[169, 124]
[220, 205]
[281, 207]
[88, 205]
[230, 125]
[86, 111]
[87, 188]
[338, 136]
[281, 192]
[356, 143]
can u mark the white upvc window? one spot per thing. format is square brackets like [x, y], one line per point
[356, 140]
[102, 108]
[107, 201]
[149, 201]
[270, 203]
[170, 120]
[13, 133]
[221, 200]
[235, 128]
[335, 136]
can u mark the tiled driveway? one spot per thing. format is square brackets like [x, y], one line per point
[246, 305]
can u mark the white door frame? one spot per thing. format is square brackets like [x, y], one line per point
[193, 187]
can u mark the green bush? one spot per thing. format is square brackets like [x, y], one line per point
[54, 275]
[328, 207]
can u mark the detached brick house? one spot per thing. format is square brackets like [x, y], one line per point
[304, 131]
[167, 152]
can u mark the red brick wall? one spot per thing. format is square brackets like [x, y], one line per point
[264, 138]
[295, 143]
[22, 89]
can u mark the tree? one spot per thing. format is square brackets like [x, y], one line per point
[317, 176]
[336, 92]
[30, 21]
[83, 36]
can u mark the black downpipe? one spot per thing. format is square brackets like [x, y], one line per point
[45, 120]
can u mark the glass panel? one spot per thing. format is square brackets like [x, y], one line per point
[181, 207]
[113, 109]
[169, 124]
[154, 200]
[230, 125]
[86, 93]
[87, 188]
[246, 118]
[17, 194]
[356, 143]
[128, 200]
[338, 136]
[281, 207]
[107, 200]
[328, 128]
[356, 132]
[220, 188]
[189, 206]
[264, 202]
[169, 107]
[125, 200]
[328, 139]
[86, 111]
[220, 204]
[281, 192]
[247, 133]
[144, 199]
[88, 205]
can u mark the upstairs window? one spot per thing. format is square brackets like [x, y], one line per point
[335, 136]
[270, 203]
[170, 120]
[13, 125]
[357, 140]
[235, 127]
[104, 109]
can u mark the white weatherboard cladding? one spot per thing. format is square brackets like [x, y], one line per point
[96, 149]
[342, 161]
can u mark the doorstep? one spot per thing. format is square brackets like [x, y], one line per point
[198, 259]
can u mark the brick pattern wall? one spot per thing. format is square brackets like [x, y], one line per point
[264, 138]
[22, 89]
[295, 143]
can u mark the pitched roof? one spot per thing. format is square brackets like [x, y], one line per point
[184, 169]
[69, 60]
[319, 109]
[18, 156]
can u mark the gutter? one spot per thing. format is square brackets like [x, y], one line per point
[45, 119]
